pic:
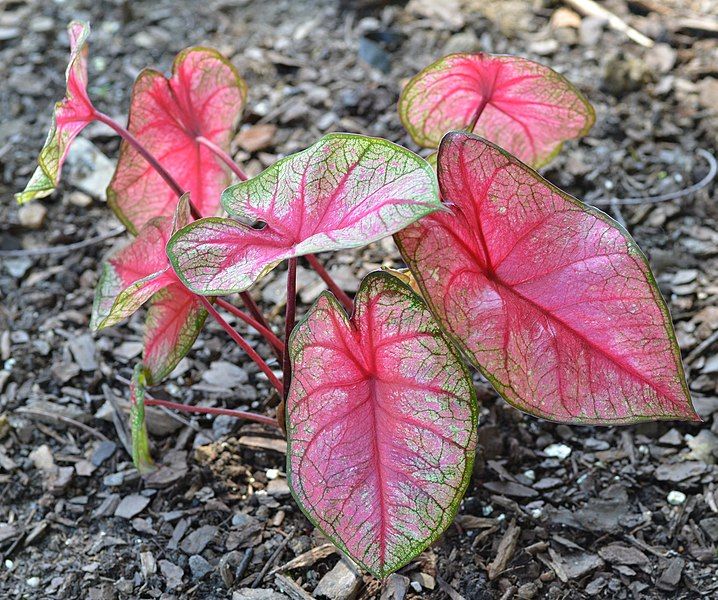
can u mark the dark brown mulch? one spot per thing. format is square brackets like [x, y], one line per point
[552, 511]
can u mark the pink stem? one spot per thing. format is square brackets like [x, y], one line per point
[154, 163]
[239, 414]
[253, 309]
[341, 295]
[228, 160]
[242, 343]
[289, 318]
[267, 333]
[477, 114]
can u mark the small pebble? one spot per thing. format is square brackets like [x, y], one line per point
[33, 582]
[32, 215]
[676, 498]
[559, 451]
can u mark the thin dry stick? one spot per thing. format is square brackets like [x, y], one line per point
[593, 9]
[36, 412]
[691, 189]
[65, 249]
[272, 560]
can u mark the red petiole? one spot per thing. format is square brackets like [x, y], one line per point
[242, 343]
[289, 318]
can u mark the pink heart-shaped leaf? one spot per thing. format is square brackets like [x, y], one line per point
[381, 424]
[71, 116]
[140, 272]
[203, 98]
[523, 106]
[551, 298]
[344, 191]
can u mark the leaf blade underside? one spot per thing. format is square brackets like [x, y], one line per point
[70, 117]
[550, 298]
[528, 108]
[203, 97]
[344, 191]
[381, 420]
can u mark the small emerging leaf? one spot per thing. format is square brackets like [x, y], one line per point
[70, 117]
[526, 108]
[381, 424]
[141, 456]
[344, 191]
[204, 97]
[549, 297]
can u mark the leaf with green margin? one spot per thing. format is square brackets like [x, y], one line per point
[174, 319]
[204, 97]
[381, 424]
[141, 272]
[344, 191]
[550, 298]
[70, 117]
[141, 456]
[134, 274]
[523, 106]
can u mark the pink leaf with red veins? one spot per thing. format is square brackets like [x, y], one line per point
[344, 191]
[174, 319]
[523, 106]
[71, 116]
[203, 98]
[381, 424]
[549, 297]
[140, 272]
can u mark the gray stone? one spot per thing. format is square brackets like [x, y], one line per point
[343, 582]
[172, 574]
[257, 594]
[131, 505]
[199, 566]
[198, 540]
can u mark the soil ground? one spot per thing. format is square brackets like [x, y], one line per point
[619, 512]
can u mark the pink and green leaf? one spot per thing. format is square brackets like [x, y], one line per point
[204, 97]
[344, 191]
[174, 319]
[381, 424]
[550, 298]
[135, 273]
[70, 117]
[525, 107]
[141, 456]
[141, 272]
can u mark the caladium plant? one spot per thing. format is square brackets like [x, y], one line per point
[550, 299]
[139, 272]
